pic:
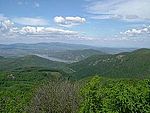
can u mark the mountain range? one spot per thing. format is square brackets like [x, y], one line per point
[125, 64]
[63, 51]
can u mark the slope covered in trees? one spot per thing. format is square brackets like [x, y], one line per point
[18, 88]
[10, 64]
[133, 64]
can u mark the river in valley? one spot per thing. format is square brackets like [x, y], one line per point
[53, 58]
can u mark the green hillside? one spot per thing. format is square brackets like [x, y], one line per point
[20, 77]
[134, 64]
[17, 88]
[9, 64]
[1, 57]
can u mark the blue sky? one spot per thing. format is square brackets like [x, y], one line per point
[111, 23]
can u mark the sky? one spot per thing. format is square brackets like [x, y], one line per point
[103, 23]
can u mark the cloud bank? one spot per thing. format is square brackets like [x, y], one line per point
[69, 21]
[137, 32]
[8, 29]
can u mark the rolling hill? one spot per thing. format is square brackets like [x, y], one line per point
[133, 64]
[9, 64]
[1, 57]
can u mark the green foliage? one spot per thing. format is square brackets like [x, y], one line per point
[15, 99]
[116, 96]
[17, 88]
[11, 64]
[91, 101]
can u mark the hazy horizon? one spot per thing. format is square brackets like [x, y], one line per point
[74, 44]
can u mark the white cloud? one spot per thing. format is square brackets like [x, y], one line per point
[120, 9]
[29, 30]
[38, 30]
[5, 25]
[59, 20]
[69, 21]
[9, 30]
[75, 19]
[137, 32]
[30, 21]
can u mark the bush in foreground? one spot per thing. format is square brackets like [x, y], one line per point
[56, 97]
[116, 96]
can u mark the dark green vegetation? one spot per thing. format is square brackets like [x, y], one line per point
[32, 84]
[102, 95]
[123, 65]
[12, 64]
[17, 88]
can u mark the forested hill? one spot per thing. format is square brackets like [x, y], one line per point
[134, 64]
[1, 57]
[10, 64]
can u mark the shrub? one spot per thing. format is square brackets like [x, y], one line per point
[116, 96]
[56, 97]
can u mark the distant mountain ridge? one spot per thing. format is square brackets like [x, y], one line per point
[53, 45]
[21, 49]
